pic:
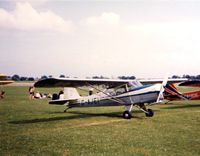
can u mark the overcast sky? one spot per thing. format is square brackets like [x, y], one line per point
[100, 37]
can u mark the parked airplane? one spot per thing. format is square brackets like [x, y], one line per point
[171, 93]
[3, 80]
[191, 83]
[118, 92]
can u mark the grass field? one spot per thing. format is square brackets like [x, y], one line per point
[33, 127]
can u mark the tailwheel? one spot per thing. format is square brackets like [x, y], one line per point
[149, 113]
[127, 115]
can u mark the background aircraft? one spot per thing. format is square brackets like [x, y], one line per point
[3, 80]
[191, 83]
[171, 93]
[115, 93]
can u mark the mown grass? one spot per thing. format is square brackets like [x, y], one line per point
[33, 127]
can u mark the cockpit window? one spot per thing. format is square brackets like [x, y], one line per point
[134, 84]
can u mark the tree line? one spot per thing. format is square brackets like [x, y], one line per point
[16, 77]
[187, 76]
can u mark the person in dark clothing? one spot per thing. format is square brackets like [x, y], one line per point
[2, 94]
[31, 92]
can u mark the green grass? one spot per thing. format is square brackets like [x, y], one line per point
[33, 127]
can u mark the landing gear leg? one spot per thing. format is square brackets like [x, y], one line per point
[148, 112]
[66, 109]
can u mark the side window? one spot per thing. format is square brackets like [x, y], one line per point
[120, 90]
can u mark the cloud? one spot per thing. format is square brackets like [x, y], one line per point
[106, 18]
[25, 17]
[106, 23]
[32, 2]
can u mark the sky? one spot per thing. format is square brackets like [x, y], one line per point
[84, 38]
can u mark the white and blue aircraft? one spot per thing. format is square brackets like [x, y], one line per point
[116, 92]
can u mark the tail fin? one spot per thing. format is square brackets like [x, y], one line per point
[171, 90]
[71, 93]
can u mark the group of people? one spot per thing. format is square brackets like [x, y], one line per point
[37, 95]
[32, 94]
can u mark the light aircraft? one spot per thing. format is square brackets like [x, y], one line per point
[118, 92]
[171, 93]
[191, 83]
[3, 80]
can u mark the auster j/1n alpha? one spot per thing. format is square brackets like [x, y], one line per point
[128, 93]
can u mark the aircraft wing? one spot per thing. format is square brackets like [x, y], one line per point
[170, 80]
[2, 76]
[5, 82]
[74, 82]
[192, 83]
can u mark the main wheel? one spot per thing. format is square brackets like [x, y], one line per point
[127, 115]
[150, 113]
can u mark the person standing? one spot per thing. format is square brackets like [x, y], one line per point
[31, 92]
[2, 94]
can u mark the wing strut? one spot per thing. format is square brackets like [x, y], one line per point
[112, 98]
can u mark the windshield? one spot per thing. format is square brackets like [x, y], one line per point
[134, 84]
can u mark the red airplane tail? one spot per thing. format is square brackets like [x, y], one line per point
[171, 93]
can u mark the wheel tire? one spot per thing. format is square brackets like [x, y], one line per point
[150, 113]
[127, 115]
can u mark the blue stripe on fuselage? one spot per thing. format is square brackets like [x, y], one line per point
[137, 94]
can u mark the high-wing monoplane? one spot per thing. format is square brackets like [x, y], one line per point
[4, 80]
[118, 92]
[171, 93]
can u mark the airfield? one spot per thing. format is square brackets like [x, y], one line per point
[33, 127]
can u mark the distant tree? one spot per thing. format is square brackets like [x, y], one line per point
[187, 76]
[100, 77]
[50, 76]
[198, 77]
[16, 77]
[175, 77]
[95, 77]
[62, 76]
[127, 77]
[44, 77]
[30, 79]
[132, 77]
[23, 78]
[191, 76]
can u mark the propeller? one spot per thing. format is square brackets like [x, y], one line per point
[160, 95]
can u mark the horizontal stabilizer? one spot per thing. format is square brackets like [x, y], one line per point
[58, 102]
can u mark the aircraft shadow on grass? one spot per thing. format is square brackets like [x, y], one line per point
[183, 106]
[77, 115]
